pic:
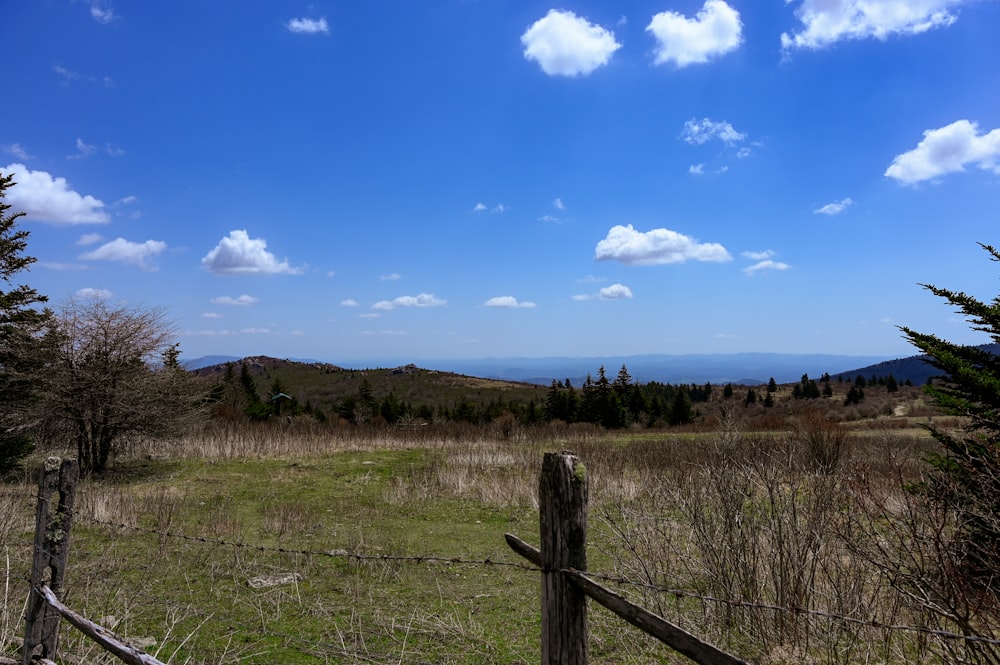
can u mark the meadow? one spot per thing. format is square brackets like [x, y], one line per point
[295, 543]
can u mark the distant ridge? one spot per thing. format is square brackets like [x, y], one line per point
[915, 369]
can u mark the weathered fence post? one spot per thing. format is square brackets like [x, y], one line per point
[56, 490]
[562, 499]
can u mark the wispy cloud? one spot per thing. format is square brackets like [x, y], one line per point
[101, 11]
[120, 250]
[239, 254]
[83, 149]
[421, 300]
[391, 277]
[834, 208]
[309, 26]
[508, 302]
[655, 247]
[242, 301]
[100, 294]
[18, 151]
[349, 302]
[697, 132]
[764, 261]
[564, 44]
[48, 199]
[615, 292]
[558, 204]
[714, 31]
[948, 149]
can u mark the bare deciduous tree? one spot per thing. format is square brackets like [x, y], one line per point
[114, 378]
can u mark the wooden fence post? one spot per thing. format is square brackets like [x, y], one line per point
[562, 499]
[56, 490]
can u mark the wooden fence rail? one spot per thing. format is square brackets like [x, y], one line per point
[562, 558]
[562, 501]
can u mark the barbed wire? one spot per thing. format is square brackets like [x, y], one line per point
[678, 593]
[823, 614]
[332, 553]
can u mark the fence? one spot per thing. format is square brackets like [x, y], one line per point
[561, 562]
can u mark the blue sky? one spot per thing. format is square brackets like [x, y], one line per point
[490, 178]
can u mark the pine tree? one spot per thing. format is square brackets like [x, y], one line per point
[966, 473]
[22, 343]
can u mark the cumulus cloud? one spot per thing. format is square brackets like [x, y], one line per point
[564, 44]
[139, 254]
[615, 292]
[509, 302]
[947, 150]
[349, 302]
[308, 26]
[239, 254]
[48, 199]
[422, 300]
[558, 203]
[88, 292]
[825, 23]
[479, 207]
[697, 132]
[713, 32]
[242, 301]
[696, 169]
[659, 246]
[834, 208]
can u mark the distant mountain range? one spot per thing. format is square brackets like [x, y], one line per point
[719, 369]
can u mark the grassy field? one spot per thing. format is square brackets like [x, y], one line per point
[390, 545]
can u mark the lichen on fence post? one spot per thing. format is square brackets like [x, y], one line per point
[562, 496]
[56, 491]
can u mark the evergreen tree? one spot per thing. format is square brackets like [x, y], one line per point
[751, 397]
[966, 473]
[727, 392]
[772, 386]
[23, 348]
[769, 400]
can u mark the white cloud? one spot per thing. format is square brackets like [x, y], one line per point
[65, 74]
[947, 150]
[422, 300]
[498, 208]
[766, 264]
[509, 302]
[825, 22]
[211, 315]
[349, 302]
[239, 254]
[582, 296]
[93, 293]
[137, 254]
[559, 205]
[698, 132]
[659, 246]
[391, 277]
[758, 256]
[615, 292]
[83, 149]
[256, 331]
[49, 199]
[101, 11]
[564, 44]
[309, 26]
[89, 239]
[479, 207]
[548, 218]
[18, 151]
[834, 208]
[696, 169]
[713, 32]
[113, 150]
[243, 301]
